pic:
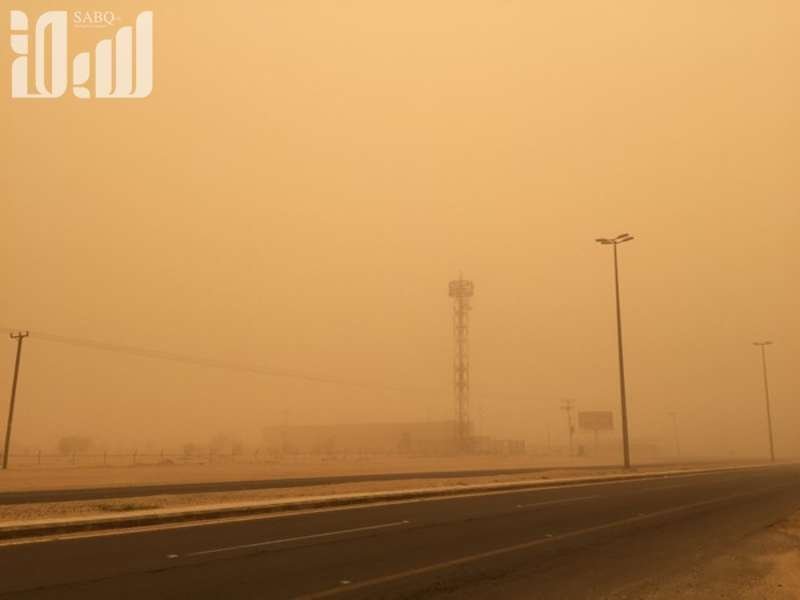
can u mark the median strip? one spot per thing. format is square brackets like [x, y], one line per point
[209, 513]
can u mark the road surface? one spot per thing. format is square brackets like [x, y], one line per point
[580, 541]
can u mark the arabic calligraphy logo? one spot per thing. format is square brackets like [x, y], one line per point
[130, 51]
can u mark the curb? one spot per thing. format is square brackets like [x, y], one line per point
[143, 519]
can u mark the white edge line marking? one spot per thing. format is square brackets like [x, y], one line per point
[530, 544]
[293, 539]
[550, 502]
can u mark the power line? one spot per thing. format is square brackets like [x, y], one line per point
[219, 364]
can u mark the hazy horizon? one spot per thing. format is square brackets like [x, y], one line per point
[306, 178]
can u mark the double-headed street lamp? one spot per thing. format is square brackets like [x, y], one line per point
[763, 346]
[626, 451]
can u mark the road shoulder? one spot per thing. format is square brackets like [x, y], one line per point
[761, 566]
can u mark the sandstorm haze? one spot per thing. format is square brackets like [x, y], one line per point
[307, 177]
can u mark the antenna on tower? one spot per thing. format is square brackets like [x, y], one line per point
[461, 291]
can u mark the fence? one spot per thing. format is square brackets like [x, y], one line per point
[39, 459]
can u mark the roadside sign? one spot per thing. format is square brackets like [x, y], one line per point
[596, 420]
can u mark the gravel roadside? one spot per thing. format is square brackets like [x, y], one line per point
[763, 566]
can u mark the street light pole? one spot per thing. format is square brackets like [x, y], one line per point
[19, 336]
[567, 405]
[626, 451]
[763, 346]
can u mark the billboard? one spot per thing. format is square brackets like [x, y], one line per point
[596, 420]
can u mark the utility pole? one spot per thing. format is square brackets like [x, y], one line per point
[763, 346]
[626, 450]
[285, 432]
[675, 434]
[19, 336]
[567, 406]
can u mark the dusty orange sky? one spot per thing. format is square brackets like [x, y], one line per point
[307, 176]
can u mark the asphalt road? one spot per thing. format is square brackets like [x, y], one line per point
[133, 491]
[583, 541]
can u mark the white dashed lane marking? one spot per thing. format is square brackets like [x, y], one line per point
[292, 539]
[553, 502]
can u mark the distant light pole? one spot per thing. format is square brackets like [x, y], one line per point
[626, 451]
[19, 336]
[763, 346]
[567, 405]
[675, 434]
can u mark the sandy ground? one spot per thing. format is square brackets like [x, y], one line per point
[764, 566]
[25, 479]
[57, 510]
